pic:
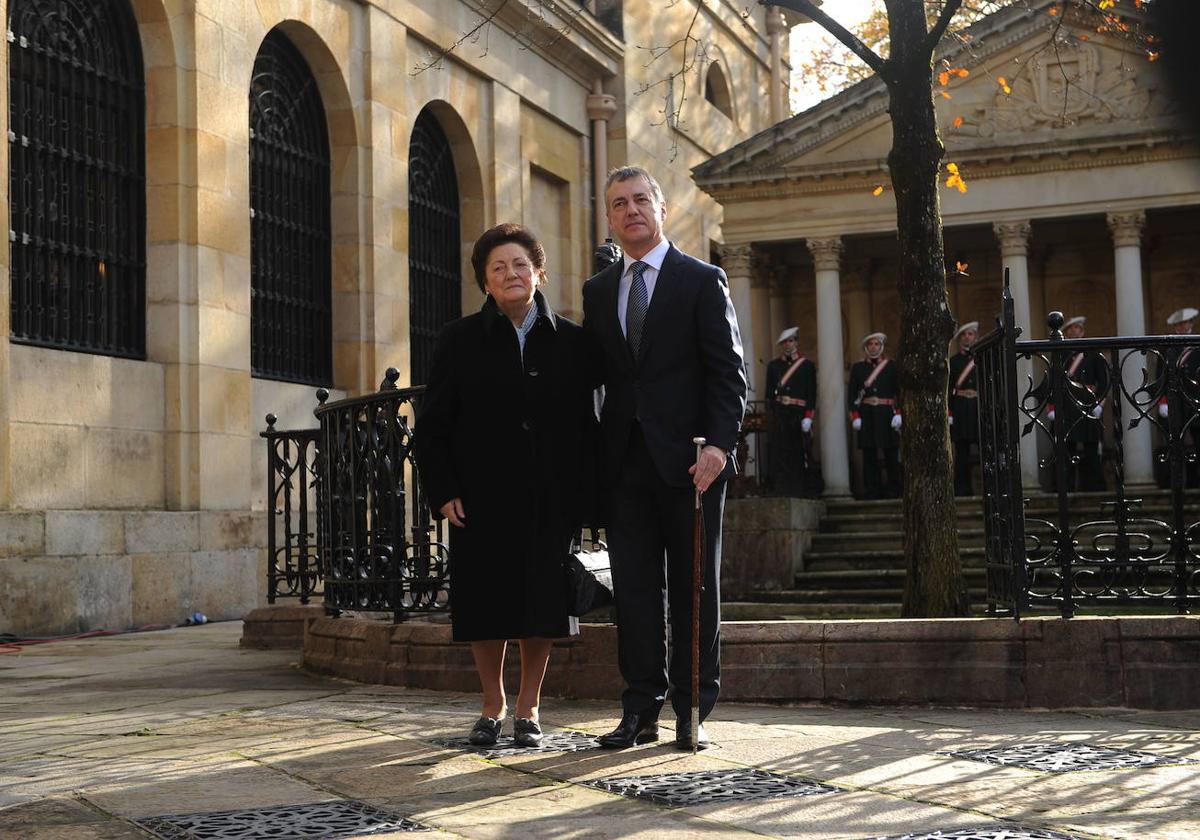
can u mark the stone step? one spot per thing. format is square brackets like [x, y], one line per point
[884, 557]
[879, 595]
[854, 541]
[784, 611]
[856, 580]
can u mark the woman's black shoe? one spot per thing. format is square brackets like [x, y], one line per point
[526, 732]
[486, 731]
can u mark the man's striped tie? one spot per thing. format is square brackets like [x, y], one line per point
[635, 310]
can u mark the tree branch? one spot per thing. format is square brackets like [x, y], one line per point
[949, 10]
[806, 8]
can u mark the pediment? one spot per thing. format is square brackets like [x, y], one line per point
[1075, 91]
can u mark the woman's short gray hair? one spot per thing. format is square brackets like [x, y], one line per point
[625, 173]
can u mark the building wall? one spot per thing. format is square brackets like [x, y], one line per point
[133, 492]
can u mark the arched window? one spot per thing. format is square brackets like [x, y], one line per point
[716, 90]
[290, 261]
[434, 242]
[77, 186]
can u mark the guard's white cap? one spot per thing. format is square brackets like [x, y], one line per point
[790, 332]
[970, 325]
[881, 336]
[1181, 315]
[1081, 320]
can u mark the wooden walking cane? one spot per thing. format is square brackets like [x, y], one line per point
[697, 585]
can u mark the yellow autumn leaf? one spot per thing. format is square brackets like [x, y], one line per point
[1152, 56]
[945, 95]
[944, 78]
[958, 121]
[1107, 4]
[878, 190]
[961, 72]
[952, 168]
[1085, 38]
[1053, 11]
[1003, 82]
[960, 267]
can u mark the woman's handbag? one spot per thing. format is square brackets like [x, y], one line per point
[589, 581]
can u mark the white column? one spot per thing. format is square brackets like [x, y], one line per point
[737, 262]
[777, 292]
[831, 384]
[600, 109]
[1014, 253]
[1131, 320]
[777, 30]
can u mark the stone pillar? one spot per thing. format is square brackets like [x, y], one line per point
[1131, 320]
[737, 262]
[600, 109]
[777, 31]
[1014, 253]
[831, 383]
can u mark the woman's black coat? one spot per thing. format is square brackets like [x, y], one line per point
[515, 442]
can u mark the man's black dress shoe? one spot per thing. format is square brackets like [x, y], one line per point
[683, 736]
[633, 729]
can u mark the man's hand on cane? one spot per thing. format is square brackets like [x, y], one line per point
[708, 466]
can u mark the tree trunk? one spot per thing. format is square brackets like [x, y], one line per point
[934, 584]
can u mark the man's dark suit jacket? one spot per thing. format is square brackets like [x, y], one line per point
[689, 379]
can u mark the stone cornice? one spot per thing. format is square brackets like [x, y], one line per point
[865, 175]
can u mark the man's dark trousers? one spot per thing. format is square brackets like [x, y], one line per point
[648, 518]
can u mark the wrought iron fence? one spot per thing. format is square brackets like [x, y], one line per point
[294, 532]
[1077, 555]
[382, 550]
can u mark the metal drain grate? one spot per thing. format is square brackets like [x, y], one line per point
[1066, 758]
[988, 832]
[326, 820]
[703, 787]
[552, 742]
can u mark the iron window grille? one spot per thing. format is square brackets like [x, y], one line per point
[77, 185]
[434, 242]
[290, 240]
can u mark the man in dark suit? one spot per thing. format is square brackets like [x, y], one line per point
[672, 371]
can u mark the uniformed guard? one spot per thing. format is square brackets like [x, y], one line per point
[1187, 362]
[791, 391]
[964, 407]
[1087, 382]
[875, 414]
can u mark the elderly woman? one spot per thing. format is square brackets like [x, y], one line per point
[503, 447]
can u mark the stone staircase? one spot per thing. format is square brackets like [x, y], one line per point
[854, 567]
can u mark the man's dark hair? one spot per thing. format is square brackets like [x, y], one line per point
[502, 234]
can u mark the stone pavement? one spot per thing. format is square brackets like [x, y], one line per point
[98, 734]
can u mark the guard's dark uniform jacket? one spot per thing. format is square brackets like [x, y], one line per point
[876, 403]
[964, 397]
[790, 398]
[963, 400]
[1087, 381]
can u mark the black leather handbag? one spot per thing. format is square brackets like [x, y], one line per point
[589, 581]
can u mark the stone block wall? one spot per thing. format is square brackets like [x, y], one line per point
[763, 543]
[1143, 663]
[68, 571]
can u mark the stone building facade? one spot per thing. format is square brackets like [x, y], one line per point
[132, 483]
[1083, 183]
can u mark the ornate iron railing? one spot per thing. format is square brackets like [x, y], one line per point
[381, 548]
[294, 529]
[1076, 556]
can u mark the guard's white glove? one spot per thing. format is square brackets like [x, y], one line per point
[951, 419]
[806, 424]
[1050, 415]
[896, 422]
[1162, 410]
[1098, 410]
[856, 423]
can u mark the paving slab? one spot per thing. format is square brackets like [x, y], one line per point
[96, 733]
